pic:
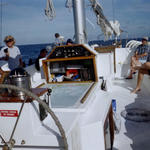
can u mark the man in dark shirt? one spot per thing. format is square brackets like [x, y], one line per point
[43, 54]
[140, 56]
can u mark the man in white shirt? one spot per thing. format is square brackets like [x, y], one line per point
[58, 39]
[11, 53]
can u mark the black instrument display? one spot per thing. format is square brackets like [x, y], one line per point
[69, 51]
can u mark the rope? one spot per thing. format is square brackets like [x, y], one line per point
[69, 4]
[17, 120]
[50, 10]
[30, 94]
[3, 139]
[90, 23]
[105, 25]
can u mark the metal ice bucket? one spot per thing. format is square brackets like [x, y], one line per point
[20, 78]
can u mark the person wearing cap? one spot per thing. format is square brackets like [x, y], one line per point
[11, 53]
[69, 42]
[140, 56]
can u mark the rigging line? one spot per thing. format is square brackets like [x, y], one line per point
[101, 19]
[69, 4]
[1, 23]
[3, 139]
[113, 11]
[90, 22]
[17, 120]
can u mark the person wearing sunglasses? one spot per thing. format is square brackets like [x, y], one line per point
[11, 53]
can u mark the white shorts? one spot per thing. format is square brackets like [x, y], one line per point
[142, 61]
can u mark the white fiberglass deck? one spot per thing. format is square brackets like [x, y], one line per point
[133, 135]
[67, 95]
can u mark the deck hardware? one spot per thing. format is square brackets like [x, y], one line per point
[103, 85]
[43, 113]
[49, 91]
[23, 142]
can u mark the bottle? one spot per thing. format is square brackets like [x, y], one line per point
[114, 105]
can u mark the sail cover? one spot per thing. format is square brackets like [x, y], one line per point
[116, 26]
[50, 10]
[105, 25]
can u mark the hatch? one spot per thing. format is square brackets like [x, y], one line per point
[71, 63]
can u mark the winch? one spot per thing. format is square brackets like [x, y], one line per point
[20, 78]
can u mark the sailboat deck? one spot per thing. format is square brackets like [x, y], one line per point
[133, 135]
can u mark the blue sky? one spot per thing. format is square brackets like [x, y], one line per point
[25, 19]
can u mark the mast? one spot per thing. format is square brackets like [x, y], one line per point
[79, 21]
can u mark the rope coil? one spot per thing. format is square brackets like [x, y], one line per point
[50, 10]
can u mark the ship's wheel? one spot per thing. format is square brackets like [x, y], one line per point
[11, 143]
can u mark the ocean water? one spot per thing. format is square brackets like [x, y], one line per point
[32, 51]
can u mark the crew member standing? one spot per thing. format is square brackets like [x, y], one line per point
[58, 39]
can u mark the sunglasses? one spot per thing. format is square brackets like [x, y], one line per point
[10, 40]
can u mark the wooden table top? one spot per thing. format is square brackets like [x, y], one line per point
[5, 97]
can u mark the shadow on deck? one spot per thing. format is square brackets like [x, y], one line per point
[136, 133]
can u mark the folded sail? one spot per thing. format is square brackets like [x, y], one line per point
[105, 25]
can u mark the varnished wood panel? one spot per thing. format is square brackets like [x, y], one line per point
[7, 98]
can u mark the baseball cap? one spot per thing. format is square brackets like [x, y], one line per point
[145, 38]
